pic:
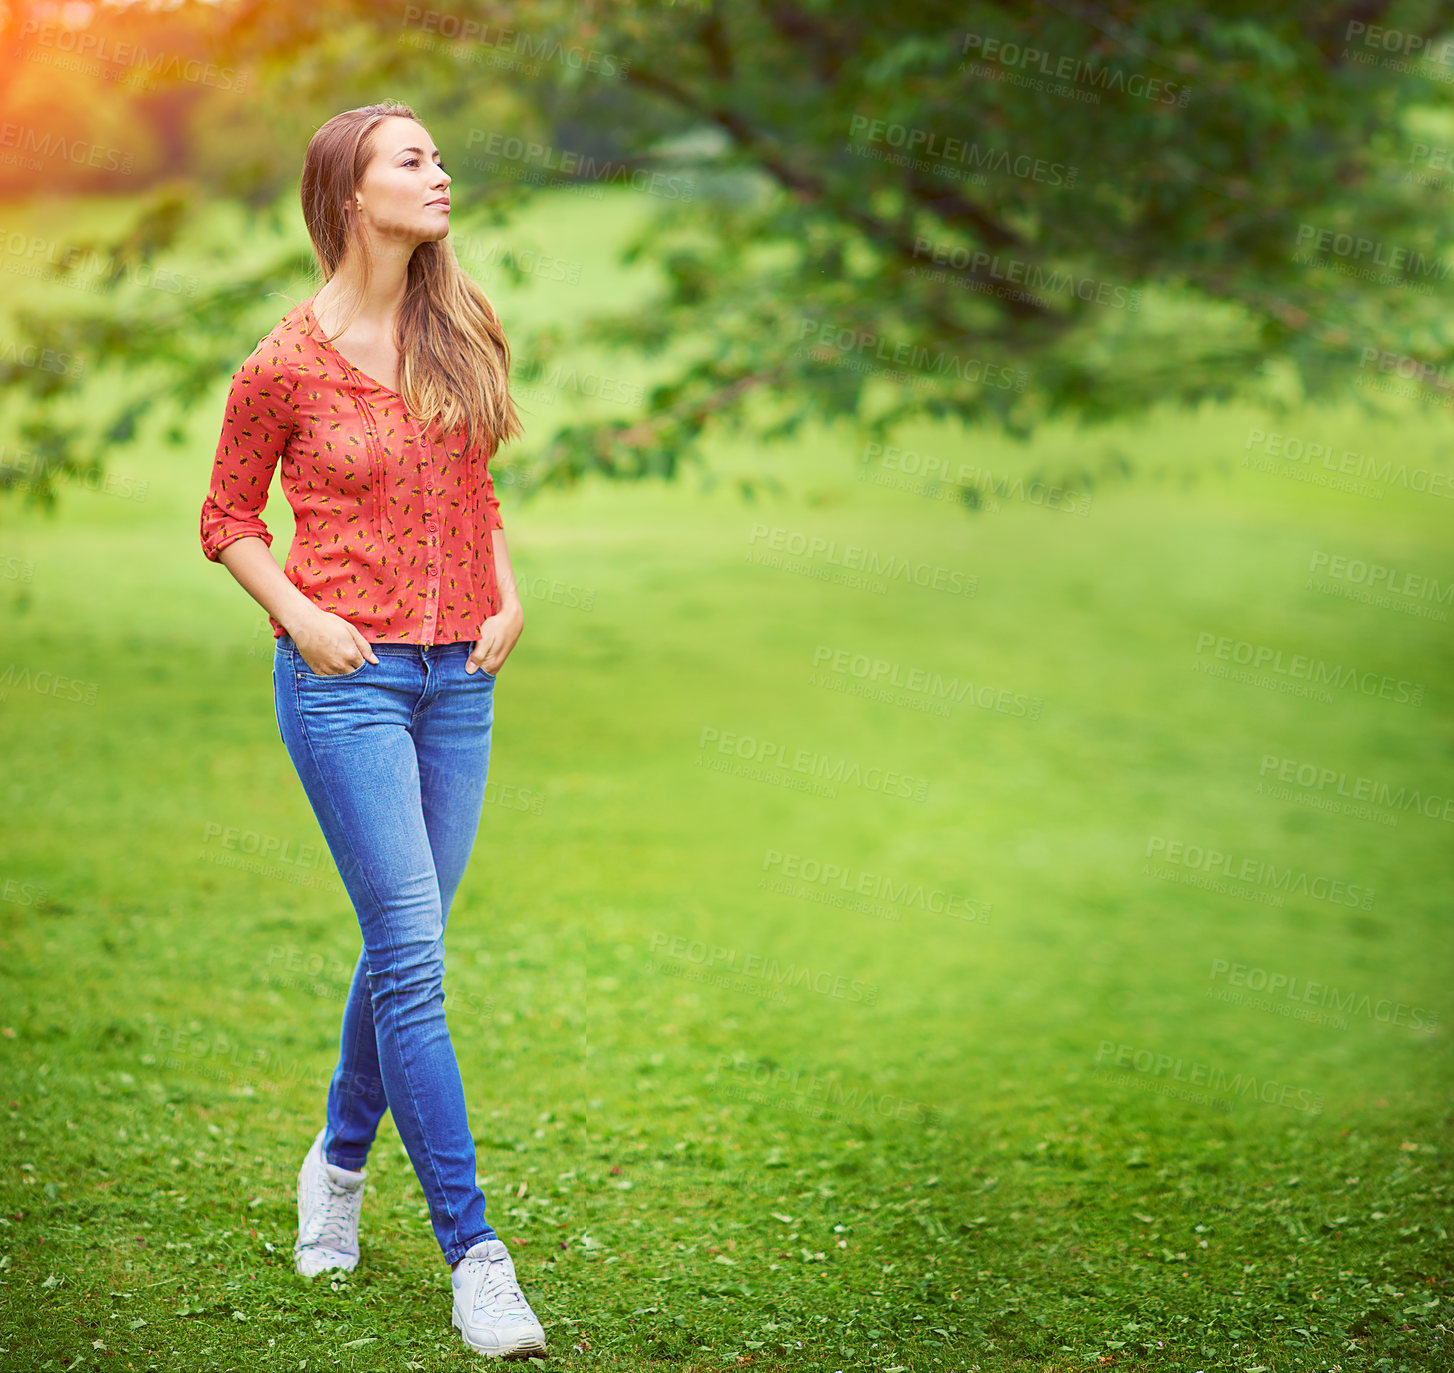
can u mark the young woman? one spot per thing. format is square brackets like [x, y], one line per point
[383, 397]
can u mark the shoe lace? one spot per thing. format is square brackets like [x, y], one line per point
[336, 1214]
[499, 1289]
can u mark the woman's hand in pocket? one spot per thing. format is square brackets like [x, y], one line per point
[331, 646]
[497, 637]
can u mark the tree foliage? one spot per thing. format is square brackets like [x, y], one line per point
[976, 212]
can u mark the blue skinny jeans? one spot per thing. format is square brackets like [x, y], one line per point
[393, 757]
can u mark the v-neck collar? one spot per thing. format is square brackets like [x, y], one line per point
[323, 342]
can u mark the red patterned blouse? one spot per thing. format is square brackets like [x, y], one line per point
[393, 525]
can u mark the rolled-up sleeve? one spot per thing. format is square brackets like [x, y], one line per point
[256, 426]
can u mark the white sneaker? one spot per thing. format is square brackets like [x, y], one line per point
[490, 1310]
[329, 1200]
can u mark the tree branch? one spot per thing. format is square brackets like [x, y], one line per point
[811, 189]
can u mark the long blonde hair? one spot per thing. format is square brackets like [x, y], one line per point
[454, 360]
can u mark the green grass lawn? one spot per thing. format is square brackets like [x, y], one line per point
[842, 980]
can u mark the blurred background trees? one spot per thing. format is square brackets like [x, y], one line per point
[975, 212]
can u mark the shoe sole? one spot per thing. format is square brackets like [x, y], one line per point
[534, 1350]
[327, 1268]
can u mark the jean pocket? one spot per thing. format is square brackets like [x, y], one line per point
[306, 673]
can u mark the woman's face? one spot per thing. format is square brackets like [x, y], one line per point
[405, 189]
